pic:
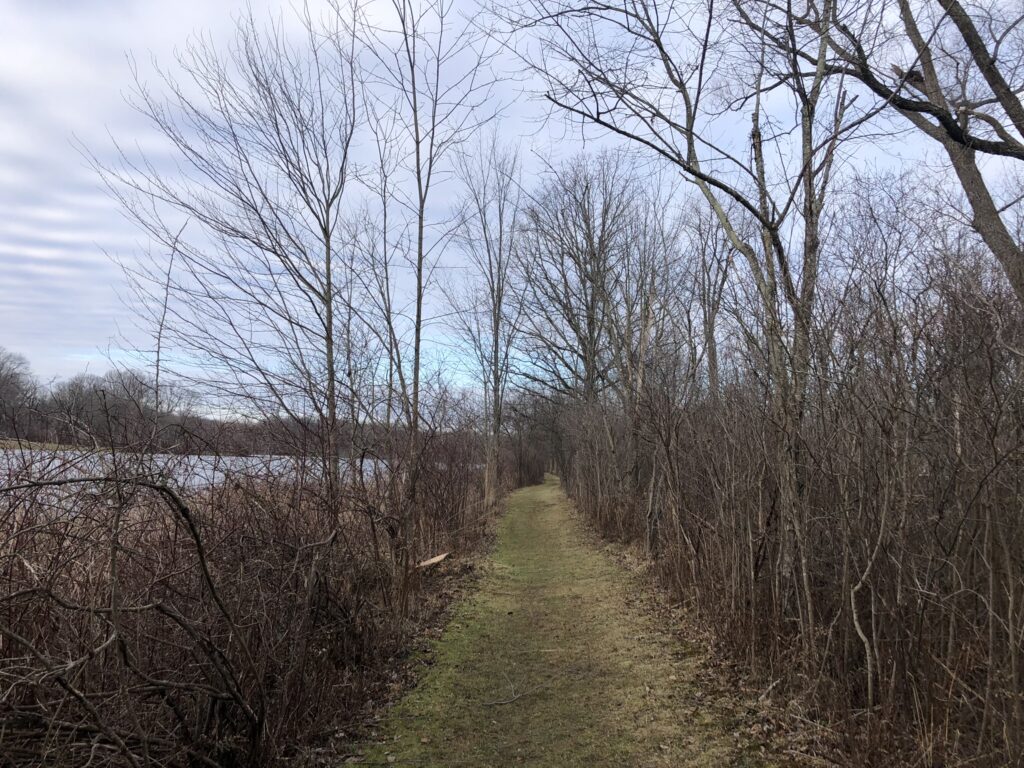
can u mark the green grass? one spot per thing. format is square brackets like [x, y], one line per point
[549, 665]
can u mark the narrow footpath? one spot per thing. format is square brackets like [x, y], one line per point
[550, 663]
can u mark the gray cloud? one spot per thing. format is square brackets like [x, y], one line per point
[64, 72]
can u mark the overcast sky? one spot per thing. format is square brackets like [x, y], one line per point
[63, 76]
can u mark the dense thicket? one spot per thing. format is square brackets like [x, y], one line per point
[890, 583]
[148, 621]
[805, 398]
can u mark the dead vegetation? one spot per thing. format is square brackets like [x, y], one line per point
[229, 626]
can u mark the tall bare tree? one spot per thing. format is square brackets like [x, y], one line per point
[262, 137]
[488, 310]
[432, 85]
[428, 86]
[952, 69]
[574, 237]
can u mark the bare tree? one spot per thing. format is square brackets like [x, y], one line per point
[16, 392]
[711, 261]
[431, 85]
[251, 302]
[574, 237]
[953, 70]
[488, 311]
[427, 90]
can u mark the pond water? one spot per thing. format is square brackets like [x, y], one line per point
[181, 471]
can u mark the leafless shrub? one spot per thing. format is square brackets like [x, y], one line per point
[140, 624]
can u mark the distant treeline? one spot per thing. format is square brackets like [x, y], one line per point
[131, 408]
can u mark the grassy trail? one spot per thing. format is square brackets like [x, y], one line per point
[549, 664]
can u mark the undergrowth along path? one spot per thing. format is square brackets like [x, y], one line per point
[550, 663]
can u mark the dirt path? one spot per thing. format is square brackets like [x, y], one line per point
[549, 665]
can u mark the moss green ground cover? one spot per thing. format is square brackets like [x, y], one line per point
[549, 664]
